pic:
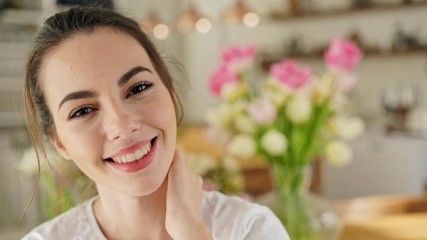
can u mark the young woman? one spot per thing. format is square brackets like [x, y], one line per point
[97, 88]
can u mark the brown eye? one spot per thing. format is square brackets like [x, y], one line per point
[138, 88]
[81, 112]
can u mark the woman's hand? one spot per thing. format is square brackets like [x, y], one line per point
[183, 202]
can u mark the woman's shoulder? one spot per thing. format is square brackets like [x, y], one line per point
[233, 216]
[217, 204]
[75, 222]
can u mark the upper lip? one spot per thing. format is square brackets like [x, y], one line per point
[132, 148]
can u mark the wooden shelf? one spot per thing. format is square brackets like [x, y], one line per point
[345, 12]
[372, 54]
[266, 62]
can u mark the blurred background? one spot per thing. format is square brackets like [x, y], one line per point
[390, 157]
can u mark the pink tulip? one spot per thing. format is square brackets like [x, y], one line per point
[235, 53]
[345, 81]
[343, 55]
[221, 77]
[238, 58]
[262, 111]
[291, 74]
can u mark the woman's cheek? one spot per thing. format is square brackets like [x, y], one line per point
[86, 143]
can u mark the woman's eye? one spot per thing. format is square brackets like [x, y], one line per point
[138, 88]
[80, 112]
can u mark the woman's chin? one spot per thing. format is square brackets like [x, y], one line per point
[145, 189]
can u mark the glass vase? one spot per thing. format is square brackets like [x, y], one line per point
[304, 215]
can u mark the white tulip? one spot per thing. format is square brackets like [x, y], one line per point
[242, 146]
[299, 109]
[274, 142]
[244, 124]
[348, 128]
[262, 111]
[274, 84]
[216, 134]
[277, 98]
[232, 91]
[231, 164]
[238, 108]
[200, 163]
[323, 88]
[338, 153]
[274, 92]
[219, 116]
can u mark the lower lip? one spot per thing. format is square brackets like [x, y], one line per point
[137, 165]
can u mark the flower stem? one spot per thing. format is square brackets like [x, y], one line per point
[291, 203]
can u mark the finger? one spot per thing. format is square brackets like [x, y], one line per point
[175, 160]
[177, 168]
[200, 181]
[179, 157]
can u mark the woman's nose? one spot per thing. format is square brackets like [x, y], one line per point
[121, 122]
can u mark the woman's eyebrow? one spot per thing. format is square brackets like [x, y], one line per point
[129, 74]
[77, 95]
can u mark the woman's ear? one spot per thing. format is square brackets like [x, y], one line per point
[60, 147]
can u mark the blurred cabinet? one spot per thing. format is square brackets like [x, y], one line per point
[382, 164]
[17, 28]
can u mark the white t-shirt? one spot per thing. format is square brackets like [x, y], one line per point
[226, 217]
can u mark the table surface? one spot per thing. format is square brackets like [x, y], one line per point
[405, 226]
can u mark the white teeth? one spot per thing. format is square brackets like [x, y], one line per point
[131, 157]
[144, 151]
[138, 154]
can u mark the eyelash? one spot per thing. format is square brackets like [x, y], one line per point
[138, 86]
[80, 112]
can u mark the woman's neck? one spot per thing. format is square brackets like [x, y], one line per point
[124, 217]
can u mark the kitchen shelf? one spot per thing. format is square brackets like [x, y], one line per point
[265, 62]
[375, 8]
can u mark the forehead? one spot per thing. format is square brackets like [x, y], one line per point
[105, 52]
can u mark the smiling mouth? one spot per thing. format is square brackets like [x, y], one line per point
[134, 156]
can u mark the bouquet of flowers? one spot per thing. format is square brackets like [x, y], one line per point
[289, 118]
[222, 175]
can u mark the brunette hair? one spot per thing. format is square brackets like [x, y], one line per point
[57, 29]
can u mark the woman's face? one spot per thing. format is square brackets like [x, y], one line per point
[112, 114]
